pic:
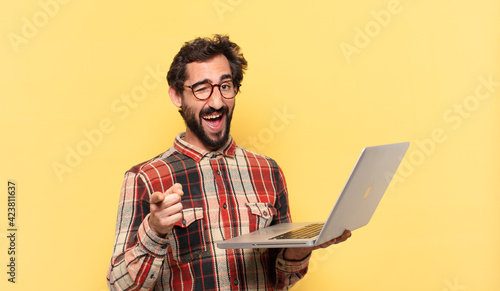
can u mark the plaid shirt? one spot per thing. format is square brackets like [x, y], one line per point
[227, 193]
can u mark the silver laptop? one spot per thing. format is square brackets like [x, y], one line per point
[354, 208]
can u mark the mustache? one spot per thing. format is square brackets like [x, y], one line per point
[210, 110]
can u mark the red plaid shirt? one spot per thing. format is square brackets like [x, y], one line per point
[226, 193]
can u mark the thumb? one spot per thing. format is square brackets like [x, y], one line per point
[156, 197]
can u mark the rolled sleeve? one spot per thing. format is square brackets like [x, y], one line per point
[291, 266]
[289, 272]
[150, 241]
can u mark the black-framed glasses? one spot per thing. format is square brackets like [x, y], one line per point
[203, 90]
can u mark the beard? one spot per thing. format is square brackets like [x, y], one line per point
[196, 126]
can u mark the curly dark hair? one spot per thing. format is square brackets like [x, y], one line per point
[203, 49]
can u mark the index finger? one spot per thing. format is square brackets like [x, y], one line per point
[175, 189]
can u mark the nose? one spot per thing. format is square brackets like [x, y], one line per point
[216, 100]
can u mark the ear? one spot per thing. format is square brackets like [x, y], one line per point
[175, 97]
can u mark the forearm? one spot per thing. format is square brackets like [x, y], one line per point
[291, 266]
[289, 272]
[296, 254]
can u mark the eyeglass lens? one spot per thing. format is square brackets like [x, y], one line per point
[204, 90]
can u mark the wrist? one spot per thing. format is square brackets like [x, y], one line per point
[158, 232]
[148, 239]
[153, 229]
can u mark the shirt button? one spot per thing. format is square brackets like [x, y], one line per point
[265, 213]
[224, 206]
[183, 222]
[218, 172]
[235, 282]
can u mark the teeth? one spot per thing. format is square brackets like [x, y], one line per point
[212, 116]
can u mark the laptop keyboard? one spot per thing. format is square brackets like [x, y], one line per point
[304, 232]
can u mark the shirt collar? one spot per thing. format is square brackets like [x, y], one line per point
[198, 154]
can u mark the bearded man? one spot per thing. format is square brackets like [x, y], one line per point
[204, 189]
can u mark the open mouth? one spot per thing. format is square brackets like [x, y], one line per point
[213, 120]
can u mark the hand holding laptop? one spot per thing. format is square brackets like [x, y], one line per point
[298, 254]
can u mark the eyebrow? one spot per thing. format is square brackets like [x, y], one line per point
[222, 78]
[225, 76]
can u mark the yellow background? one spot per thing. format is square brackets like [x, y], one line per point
[325, 79]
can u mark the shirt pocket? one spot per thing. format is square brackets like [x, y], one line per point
[188, 239]
[260, 215]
